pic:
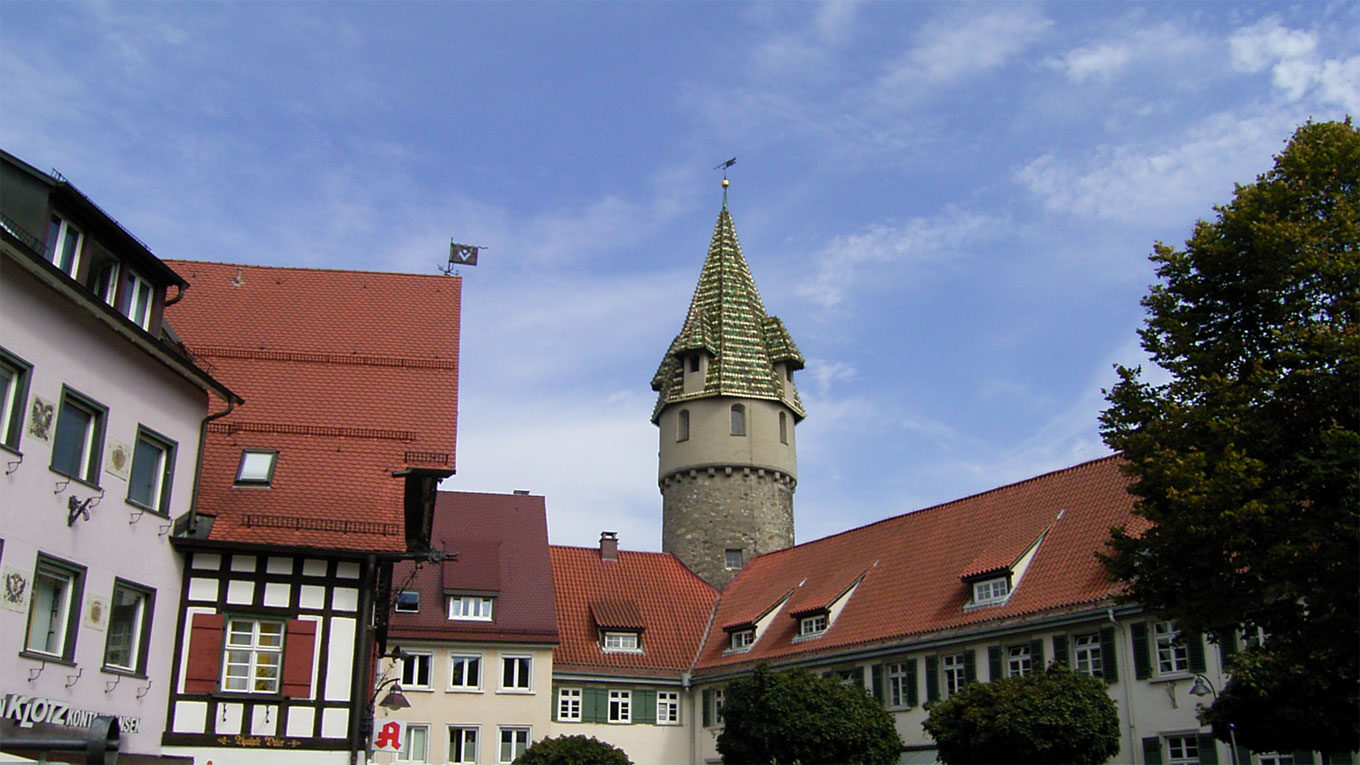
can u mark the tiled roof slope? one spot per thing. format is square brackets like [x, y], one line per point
[673, 603]
[727, 320]
[912, 564]
[350, 375]
[501, 542]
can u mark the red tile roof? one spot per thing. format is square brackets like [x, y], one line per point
[501, 541]
[350, 375]
[911, 566]
[673, 603]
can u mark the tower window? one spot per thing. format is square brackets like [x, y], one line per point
[682, 426]
[732, 558]
[694, 363]
[783, 428]
[738, 420]
[788, 373]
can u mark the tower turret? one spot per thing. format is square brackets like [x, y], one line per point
[726, 409]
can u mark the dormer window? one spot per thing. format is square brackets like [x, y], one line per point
[989, 591]
[812, 625]
[64, 244]
[475, 608]
[136, 300]
[741, 640]
[622, 642]
[257, 467]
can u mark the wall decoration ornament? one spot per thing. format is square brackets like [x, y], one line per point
[40, 418]
[117, 459]
[97, 612]
[14, 589]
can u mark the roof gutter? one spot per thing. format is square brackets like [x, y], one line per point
[190, 525]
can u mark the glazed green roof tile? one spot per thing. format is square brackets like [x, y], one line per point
[727, 320]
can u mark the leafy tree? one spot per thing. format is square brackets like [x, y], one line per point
[1054, 716]
[798, 717]
[1246, 461]
[572, 750]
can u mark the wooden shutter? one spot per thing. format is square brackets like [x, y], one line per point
[912, 698]
[876, 680]
[1060, 649]
[202, 672]
[299, 646]
[1109, 666]
[707, 704]
[594, 705]
[993, 662]
[969, 666]
[1142, 662]
[556, 701]
[1194, 649]
[1036, 654]
[932, 677]
[644, 706]
[1152, 751]
[1227, 648]
[1208, 747]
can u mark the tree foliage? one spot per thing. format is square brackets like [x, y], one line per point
[1246, 460]
[572, 750]
[798, 717]
[1054, 716]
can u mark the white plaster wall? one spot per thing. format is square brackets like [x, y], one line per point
[65, 346]
[711, 441]
[644, 744]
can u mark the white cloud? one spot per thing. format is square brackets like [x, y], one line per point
[1296, 67]
[1147, 45]
[966, 43]
[824, 373]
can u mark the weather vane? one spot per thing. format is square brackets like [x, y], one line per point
[461, 255]
[723, 167]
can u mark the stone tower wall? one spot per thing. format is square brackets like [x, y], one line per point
[706, 511]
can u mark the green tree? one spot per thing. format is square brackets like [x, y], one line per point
[1053, 716]
[572, 750]
[1246, 461]
[797, 717]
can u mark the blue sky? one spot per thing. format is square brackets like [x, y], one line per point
[949, 205]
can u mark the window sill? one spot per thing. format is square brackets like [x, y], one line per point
[274, 697]
[47, 657]
[1172, 677]
[132, 673]
[811, 636]
[139, 507]
[516, 691]
[77, 479]
[12, 450]
[457, 689]
[637, 651]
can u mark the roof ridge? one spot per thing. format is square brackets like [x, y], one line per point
[313, 269]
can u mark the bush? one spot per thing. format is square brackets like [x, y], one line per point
[573, 750]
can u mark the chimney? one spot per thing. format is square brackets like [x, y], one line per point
[609, 545]
[521, 492]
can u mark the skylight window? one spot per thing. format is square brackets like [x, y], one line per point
[408, 602]
[257, 467]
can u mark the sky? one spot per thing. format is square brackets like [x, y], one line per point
[949, 205]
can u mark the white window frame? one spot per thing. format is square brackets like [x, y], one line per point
[516, 737]
[159, 451]
[743, 639]
[406, 602]
[412, 667]
[898, 678]
[569, 701]
[408, 733]
[622, 642]
[1173, 657]
[126, 639]
[91, 436]
[13, 395]
[620, 707]
[472, 608]
[1087, 656]
[954, 672]
[138, 296]
[667, 708]
[61, 234]
[517, 673]
[461, 754]
[989, 591]
[719, 701]
[257, 467]
[260, 643]
[1019, 661]
[54, 609]
[466, 660]
[1182, 749]
[815, 624]
[733, 558]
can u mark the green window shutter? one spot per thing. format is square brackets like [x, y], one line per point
[707, 705]
[1108, 662]
[932, 677]
[969, 667]
[912, 698]
[876, 678]
[1142, 662]
[1303, 758]
[1227, 648]
[1337, 758]
[1152, 751]
[1194, 648]
[555, 690]
[1208, 748]
[1036, 653]
[1060, 649]
[595, 705]
[644, 702]
[993, 662]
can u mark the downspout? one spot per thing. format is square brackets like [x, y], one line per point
[192, 523]
[1129, 660]
[361, 701]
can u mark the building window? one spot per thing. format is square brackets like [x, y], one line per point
[64, 245]
[1086, 649]
[738, 420]
[732, 558]
[719, 701]
[620, 706]
[1172, 655]
[415, 744]
[955, 673]
[408, 602]
[1182, 750]
[667, 708]
[990, 591]
[257, 467]
[470, 607]
[415, 670]
[682, 426]
[812, 625]
[694, 363]
[54, 609]
[102, 279]
[79, 438]
[621, 641]
[1019, 661]
[516, 673]
[465, 672]
[129, 628]
[153, 466]
[136, 302]
[1273, 758]
[513, 743]
[743, 639]
[13, 395]
[254, 656]
[462, 744]
[569, 704]
[783, 428]
[898, 680]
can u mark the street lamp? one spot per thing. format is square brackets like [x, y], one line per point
[1202, 688]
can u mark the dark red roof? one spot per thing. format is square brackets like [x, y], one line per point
[671, 605]
[911, 567]
[350, 375]
[501, 542]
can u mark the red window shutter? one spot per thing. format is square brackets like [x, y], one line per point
[299, 645]
[205, 653]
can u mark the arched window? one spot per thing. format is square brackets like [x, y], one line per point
[682, 426]
[738, 420]
[783, 428]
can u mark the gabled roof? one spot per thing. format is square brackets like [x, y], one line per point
[672, 607]
[911, 566]
[727, 320]
[351, 376]
[501, 544]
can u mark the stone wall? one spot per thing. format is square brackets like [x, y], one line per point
[707, 511]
